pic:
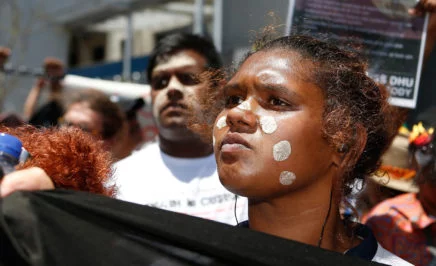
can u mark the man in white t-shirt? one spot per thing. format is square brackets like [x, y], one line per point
[178, 173]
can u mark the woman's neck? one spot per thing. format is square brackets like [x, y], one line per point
[303, 219]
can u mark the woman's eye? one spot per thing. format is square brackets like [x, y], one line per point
[233, 101]
[277, 102]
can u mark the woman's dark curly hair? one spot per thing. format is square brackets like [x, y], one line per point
[355, 105]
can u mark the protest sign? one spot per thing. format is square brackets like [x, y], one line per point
[391, 40]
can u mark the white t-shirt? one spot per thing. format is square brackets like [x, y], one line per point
[185, 185]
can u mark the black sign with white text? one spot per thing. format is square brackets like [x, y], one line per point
[390, 39]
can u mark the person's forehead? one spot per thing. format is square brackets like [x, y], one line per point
[80, 112]
[183, 59]
[272, 65]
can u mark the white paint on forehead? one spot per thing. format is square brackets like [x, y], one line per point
[287, 178]
[282, 150]
[177, 61]
[221, 122]
[268, 124]
[244, 106]
[271, 77]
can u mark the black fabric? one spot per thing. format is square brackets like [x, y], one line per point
[365, 250]
[48, 115]
[368, 248]
[74, 228]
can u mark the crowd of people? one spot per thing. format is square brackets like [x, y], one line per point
[278, 147]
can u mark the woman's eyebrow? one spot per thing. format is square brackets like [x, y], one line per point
[279, 89]
[231, 86]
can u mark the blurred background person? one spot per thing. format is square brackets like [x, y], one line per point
[94, 112]
[406, 224]
[4, 55]
[134, 137]
[11, 120]
[178, 172]
[50, 112]
[394, 177]
[423, 6]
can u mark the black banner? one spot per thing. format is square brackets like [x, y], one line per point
[65, 228]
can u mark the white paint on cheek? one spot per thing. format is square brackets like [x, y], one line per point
[213, 141]
[268, 124]
[287, 178]
[221, 122]
[244, 106]
[282, 150]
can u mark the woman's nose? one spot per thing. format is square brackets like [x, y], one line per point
[242, 119]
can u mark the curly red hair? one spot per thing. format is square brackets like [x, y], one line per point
[72, 158]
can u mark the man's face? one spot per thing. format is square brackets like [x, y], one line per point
[175, 84]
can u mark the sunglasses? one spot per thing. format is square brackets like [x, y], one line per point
[162, 80]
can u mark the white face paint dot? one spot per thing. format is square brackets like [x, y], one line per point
[282, 150]
[287, 178]
[268, 124]
[244, 106]
[221, 122]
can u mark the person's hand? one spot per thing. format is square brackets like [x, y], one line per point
[40, 83]
[33, 178]
[422, 7]
[55, 85]
[4, 55]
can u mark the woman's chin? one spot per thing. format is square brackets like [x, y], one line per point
[236, 185]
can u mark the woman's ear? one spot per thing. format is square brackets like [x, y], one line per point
[348, 154]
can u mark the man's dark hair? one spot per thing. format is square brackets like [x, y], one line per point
[174, 43]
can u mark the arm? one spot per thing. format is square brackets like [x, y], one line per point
[422, 7]
[431, 36]
[33, 178]
[4, 55]
[32, 99]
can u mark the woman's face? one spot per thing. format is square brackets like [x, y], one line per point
[268, 139]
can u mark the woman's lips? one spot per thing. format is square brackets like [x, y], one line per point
[233, 142]
[233, 147]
